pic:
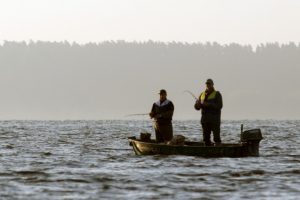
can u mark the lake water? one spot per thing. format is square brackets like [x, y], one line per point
[92, 160]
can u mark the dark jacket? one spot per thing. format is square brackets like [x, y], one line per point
[210, 108]
[163, 111]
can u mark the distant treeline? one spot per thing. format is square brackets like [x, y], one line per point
[50, 79]
[163, 49]
[120, 53]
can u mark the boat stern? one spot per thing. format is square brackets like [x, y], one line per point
[250, 139]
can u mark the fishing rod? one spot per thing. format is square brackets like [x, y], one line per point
[189, 92]
[138, 114]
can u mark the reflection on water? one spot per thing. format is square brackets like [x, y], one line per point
[92, 160]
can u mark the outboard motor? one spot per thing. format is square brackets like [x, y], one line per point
[251, 138]
[251, 135]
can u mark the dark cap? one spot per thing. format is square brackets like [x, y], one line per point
[209, 81]
[162, 91]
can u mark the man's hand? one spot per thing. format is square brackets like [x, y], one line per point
[151, 114]
[197, 105]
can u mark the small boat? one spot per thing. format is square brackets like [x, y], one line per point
[248, 146]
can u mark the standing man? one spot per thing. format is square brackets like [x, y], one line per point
[162, 112]
[210, 102]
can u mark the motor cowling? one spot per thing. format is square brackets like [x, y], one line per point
[251, 135]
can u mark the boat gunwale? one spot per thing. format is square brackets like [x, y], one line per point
[222, 145]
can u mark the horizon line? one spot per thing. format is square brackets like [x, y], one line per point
[28, 41]
[110, 119]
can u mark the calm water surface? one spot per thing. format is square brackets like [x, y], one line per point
[92, 160]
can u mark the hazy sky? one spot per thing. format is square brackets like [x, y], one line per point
[224, 21]
[46, 86]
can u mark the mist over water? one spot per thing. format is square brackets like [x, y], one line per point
[107, 80]
[93, 160]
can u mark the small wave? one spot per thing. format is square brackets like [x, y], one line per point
[247, 173]
[114, 149]
[294, 171]
[30, 173]
[46, 153]
[193, 174]
[5, 174]
[9, 146]
[71, 180]
[103, 179]
[65, 141]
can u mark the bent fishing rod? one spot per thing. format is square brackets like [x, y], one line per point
[189, 92]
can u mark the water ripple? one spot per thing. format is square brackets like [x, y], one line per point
[92, 160]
